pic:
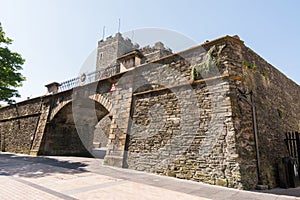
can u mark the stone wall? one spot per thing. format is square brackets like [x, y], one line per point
[179, 116]
[18, 123]
[101, 132]
[156, 116]
[45, 125]
[183, 130]
[121, 107]
[277, 109]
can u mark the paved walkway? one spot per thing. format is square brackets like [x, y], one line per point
[24, 177]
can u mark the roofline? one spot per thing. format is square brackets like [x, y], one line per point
[204, 45]
[234, 39]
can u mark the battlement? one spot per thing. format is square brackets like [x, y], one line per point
[112, 48]
[155, 52]
[115, 48]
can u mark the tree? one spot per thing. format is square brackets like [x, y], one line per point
[10, 66]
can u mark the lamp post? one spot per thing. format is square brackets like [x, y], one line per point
[243, 95]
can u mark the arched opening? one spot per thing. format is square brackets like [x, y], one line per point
[77, 131]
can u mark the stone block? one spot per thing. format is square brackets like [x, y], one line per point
[112, 136]
[222, 182]
[113, 161]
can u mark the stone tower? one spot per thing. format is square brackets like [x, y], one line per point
[112, 48]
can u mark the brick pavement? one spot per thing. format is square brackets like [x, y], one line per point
[25, 177]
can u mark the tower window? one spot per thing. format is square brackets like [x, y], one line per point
[101, 56]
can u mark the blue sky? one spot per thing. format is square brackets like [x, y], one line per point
[56, 36]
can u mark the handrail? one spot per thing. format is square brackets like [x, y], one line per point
[89, 78]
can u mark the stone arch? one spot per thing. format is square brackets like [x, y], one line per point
[63, 133]
[103, 124]
[100, 98]
[58, 108]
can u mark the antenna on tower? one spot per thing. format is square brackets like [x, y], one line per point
[119, 26]
[103, 33]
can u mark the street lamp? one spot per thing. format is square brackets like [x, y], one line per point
[243, 95]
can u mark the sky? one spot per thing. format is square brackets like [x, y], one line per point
[56, 36]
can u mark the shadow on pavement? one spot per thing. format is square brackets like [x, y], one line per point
[281, 191]
[36, 167]
[26, 166]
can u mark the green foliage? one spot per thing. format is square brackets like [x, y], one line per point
[280, 113]
[202, 68]
[265, 74]
[10, 66]
[249, 65]
[209, 64]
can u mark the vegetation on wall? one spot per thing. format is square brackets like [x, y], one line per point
[249, 65]
[280, 113]
[209, 64]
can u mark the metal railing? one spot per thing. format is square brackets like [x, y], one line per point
[69, 84]
[89, 78]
